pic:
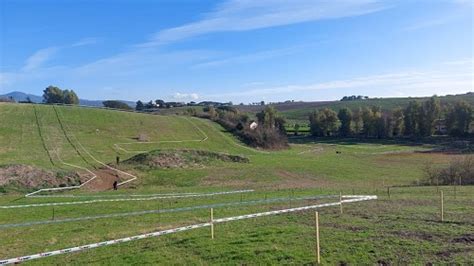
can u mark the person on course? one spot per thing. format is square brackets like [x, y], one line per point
[116, 182]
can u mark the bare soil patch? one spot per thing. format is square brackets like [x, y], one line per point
[182, 158]
[31, 177]
[104, 180]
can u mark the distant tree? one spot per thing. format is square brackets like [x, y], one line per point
[70, 97]
[372, 122]
[397, 121]
[388, 126]
[116, 105]
[269, 115]
[262, 103]
[149, 105]
[160, 103]
[354, 97]
[459, 118]
[357, 121]
[411, 118]
[53, 94]
[345, 116]
[280, 124]
[139, 106]
[368, 122]
[381, 126]
[323, 122]
[427, 116]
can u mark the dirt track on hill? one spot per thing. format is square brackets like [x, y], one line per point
[104, 180]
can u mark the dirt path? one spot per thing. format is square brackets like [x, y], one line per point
[104, 181]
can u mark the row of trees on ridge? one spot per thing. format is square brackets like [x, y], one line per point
[418, 119]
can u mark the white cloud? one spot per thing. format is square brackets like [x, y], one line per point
[185, 96]
[428, 23]
[39, 58]
[86, 41]
[258, 56]
[451, 79]
[243, 15]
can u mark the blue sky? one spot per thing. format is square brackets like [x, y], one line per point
[237, 50]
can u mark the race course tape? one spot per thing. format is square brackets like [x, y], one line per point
[117, 146]
[182, 209]
[352, 198]
[130, 199]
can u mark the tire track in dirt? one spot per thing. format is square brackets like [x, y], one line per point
[69, 140]
[40, 133]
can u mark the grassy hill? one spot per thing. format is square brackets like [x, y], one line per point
[402, 229]
[33, 133]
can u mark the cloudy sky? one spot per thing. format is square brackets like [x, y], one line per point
[237, 50]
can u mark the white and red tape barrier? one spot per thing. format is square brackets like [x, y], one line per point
[348, 199]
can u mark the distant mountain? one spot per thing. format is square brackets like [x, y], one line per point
[21, 96]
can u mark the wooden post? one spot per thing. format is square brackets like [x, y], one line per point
[340, 200]
[388, 192]
[53, 213]
[318, 250]
[454, 190]
[441, 205]
[212, 223]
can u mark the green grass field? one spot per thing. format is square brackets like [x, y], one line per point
[404, 229]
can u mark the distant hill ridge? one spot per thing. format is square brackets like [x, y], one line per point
[21, 96]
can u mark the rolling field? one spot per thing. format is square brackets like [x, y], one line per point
[404, 228]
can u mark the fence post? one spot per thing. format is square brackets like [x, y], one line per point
[340, 201]
[212, 223]
[318, 250]
[53, 213]
[441, 205]
[388, 192]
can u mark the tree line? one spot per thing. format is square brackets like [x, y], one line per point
[418, 119]
[54, 94]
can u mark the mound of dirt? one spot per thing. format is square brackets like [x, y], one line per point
[182, 158]
[29, 177]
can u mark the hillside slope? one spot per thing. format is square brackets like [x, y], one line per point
[43, 135]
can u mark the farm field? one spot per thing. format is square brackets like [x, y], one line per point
[402, 229]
